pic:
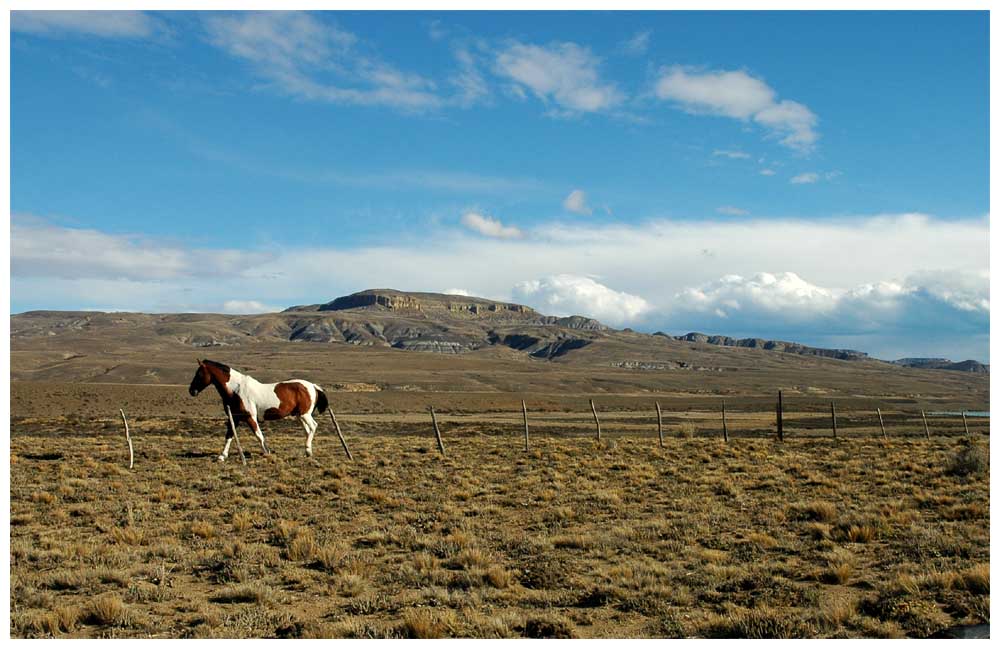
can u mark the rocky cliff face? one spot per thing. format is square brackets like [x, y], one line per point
[944, 364]
[772, 345]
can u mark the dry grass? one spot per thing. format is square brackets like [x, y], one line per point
[808, 538]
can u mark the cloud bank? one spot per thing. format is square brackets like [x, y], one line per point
[911, 284]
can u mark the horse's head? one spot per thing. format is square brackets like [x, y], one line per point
[202, 379]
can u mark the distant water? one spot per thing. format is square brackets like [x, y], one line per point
[958, 413]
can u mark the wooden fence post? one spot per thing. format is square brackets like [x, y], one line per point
[343, 441]
[781, 431]
[880, 422]
[927, 431]
[596, 420]
[128, 439]
[524, 409]
[965, 422]
[725, 429]
[659, 423]
[437, 431]
[833, 415]
[236, 436]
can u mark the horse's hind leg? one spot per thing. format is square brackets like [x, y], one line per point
[310, 425]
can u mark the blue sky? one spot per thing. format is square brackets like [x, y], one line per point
[821, 177]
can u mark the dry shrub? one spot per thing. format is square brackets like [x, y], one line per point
[862, 533]
[43, 497]
[818, 510]
[762, 622]
[242, 521]
[837, 573]
[243, 593]
[834, 611]
[548, 626]
[972, 460]
[302, 547]
[976, 579]
[498, 577]
[202, 529]
[329, 557]
[108, 610]
[686, 430]
[427, 623]
[128, 535]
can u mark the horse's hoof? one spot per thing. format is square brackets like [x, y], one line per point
[309, 452]
[222, 458]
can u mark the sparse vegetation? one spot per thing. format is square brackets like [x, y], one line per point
[854, 538]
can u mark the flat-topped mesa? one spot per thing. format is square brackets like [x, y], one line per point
[393, 300]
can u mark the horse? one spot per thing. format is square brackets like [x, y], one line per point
[248, 399]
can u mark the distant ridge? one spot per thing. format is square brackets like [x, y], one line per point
[428, 322]
[773, 345]
[944, 364]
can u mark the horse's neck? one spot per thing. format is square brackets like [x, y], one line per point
[237, 383]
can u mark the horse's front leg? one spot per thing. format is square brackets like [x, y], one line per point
[229, 440]
[259, 433]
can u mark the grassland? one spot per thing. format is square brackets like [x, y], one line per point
[814, 537]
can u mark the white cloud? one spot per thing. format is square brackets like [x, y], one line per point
[564, 74]
[784, 293]
[40, 249]
[738, 95]
[248, 306]
[807, 178]
[565, 295]
[105, 24]
[307, 58]
[952, 301]
[735, 155]
[576, 202]
[489, 227]
[457, 291]
[767, 172]
[636, 45]
[730, 210]
[941, 266]
[469, 80]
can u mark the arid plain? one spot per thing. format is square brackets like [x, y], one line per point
[858, 536]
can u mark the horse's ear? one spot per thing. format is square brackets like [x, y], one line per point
[200, 362]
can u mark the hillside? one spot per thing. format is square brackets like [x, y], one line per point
[361, 342]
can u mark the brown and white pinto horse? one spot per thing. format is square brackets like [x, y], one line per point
[249, 400]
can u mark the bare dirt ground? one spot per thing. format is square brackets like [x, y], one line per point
[812, 537]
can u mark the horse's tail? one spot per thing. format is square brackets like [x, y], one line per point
[321, 402]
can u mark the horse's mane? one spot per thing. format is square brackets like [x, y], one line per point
[216, 365]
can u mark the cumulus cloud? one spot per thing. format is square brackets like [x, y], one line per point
[767, 172]
[565, 295]
[489, 227]
[954, 302]
[104, 24]
[562, 74]
[807, 178]
[457, 291]
[576, 202]
[730, 210]
[738, 95]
